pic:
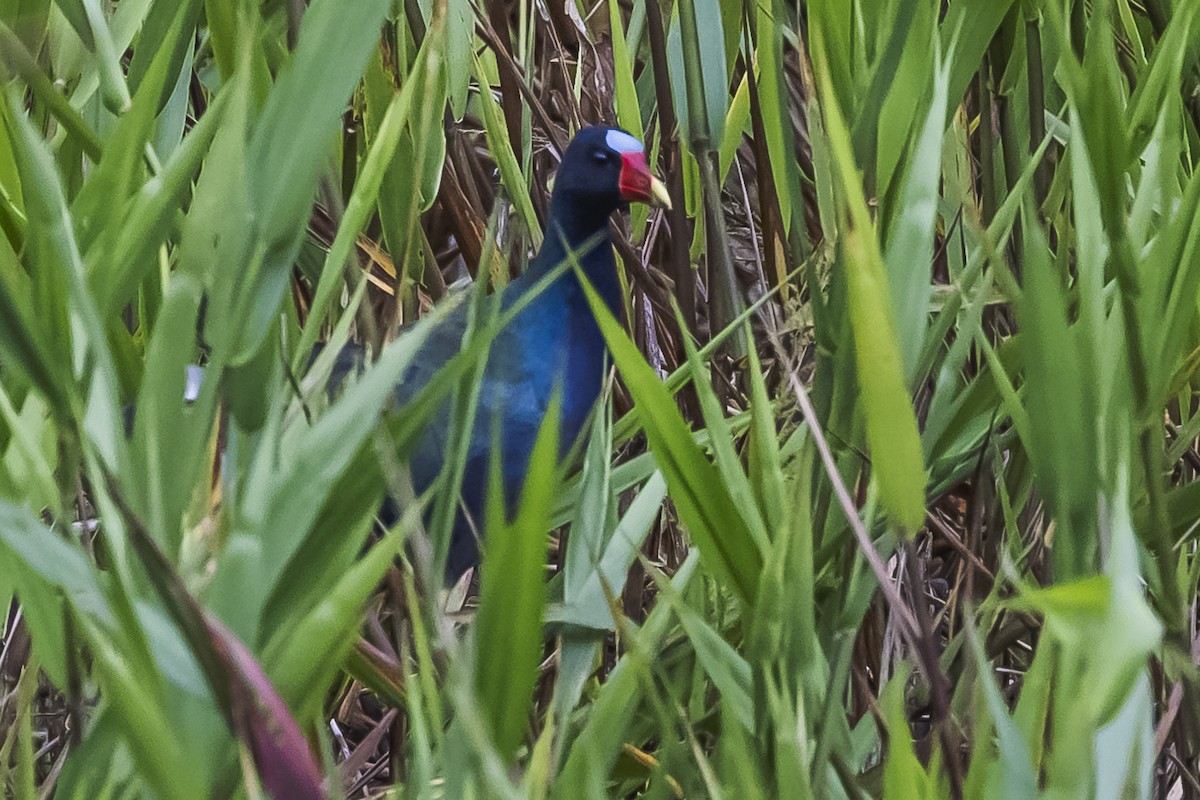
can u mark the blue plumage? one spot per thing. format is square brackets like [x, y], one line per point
[553, 341]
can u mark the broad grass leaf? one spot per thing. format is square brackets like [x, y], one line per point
[713, 77]
[736, 124]
[903, 776]
[244, 695]
[1082, 612]
[585, 597]
[508, 629]
[910, 237]
[288, 147]
[1063, 443]
[100, 206]
[1032, 712]
[577, 655]
[906, 70]
[333, 546]
[895, 444]
[1125, 747]
[47, 569]
[284, 494]
[967, 31]
[18, 61]
[215, 240]
[765, 465]
[161, 49]
[43, 575]
[25, 354]
[29, 461]
[629, 115]
[17, 742]
[773, 100]
[385, 134]
[891, 425]
[29, 20]
[460, 40]
[139, 717]
[729, 671]
[721, 442]
[173, 118]
[166, 477]
[705, 504]
[625, 102]
[1160, 86]
[151, 213]
[590, 523]
[87, 17]
[101, 757]
[1169, 314]
[307, 651]
[830, 39]
[91, 385]
[238, 45]
[416, 159]
[738, 761]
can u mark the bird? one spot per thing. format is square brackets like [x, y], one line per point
[554, 341]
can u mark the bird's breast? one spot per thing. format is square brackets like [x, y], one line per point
[555, 344]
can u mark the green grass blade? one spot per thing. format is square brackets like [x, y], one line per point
[896, 457]
[705, 504]
[508, 628]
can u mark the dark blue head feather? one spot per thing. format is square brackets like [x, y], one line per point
[587, 185]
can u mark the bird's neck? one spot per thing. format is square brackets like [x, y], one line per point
[589, 239]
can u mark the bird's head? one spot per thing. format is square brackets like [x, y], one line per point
[603, 169]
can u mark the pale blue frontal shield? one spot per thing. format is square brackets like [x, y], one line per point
[622, 142]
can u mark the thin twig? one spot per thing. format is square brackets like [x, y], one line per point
[895, 602]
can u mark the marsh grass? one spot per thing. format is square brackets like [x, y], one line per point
[894, 493]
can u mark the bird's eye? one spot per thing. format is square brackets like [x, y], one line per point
[601, 157]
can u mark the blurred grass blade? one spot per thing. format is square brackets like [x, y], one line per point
[285, 153]
[896, 457]
[730, 672]
[17, 60]
[585, 598]
[508, 628]
[281, 752]
[83, 343]
[590, 522]
[1010, 773]
[903, 775]
[133, 689]
[249, 702]
[910, 240]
